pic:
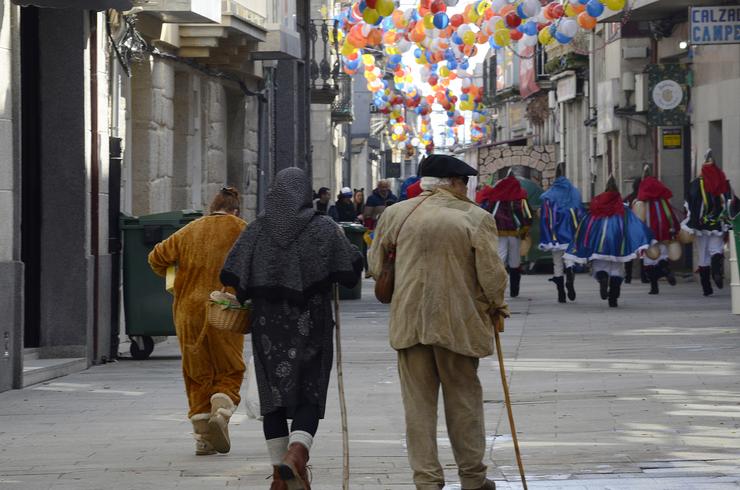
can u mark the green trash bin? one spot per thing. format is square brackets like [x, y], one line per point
[147, 306]
[356, 235]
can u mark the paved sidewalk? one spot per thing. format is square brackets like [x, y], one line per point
[644, 396]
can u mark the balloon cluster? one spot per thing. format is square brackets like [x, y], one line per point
[441, 43]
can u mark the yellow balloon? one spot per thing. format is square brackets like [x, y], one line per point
[368, 59]
[545, 36]
[370, 16]
[483, 6]
[615, 5]
[347, 48]
[385, 7]
[502, 37]
[444, 72]
[428, 21]
[473, 15]
[570, 11]
[469, 38]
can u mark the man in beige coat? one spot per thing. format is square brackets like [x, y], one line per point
[449, 287]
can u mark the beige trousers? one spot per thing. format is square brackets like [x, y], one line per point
[422, 369]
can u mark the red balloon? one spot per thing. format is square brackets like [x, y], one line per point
[456, 20]
[459, 120]
[371, 3]
[557, 10]
[512, 20]
[516, 35]
[438, 6]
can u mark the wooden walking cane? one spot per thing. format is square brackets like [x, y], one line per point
[499, 325]
[342, 400]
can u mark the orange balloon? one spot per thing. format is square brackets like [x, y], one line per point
[453, 75]
[579, 8]
[586, 21]
[482, 37]
[506, 9]
[375, 37]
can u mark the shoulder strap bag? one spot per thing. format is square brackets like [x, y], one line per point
[386, 282]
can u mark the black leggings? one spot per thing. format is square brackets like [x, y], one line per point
[305, 418]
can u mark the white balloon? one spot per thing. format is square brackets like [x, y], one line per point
[451, 3]
[531, 7]
[408, 13]
[463, 29]
[403, 45]
[568, 27]
[498, 5]
[529, 40]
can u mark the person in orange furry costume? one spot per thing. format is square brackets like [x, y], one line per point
[212, 360]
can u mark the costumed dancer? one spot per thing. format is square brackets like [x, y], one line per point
[654, 208]
[560, 214]
[609, 235]
[628, 266]
[507, 201]
[709, 205]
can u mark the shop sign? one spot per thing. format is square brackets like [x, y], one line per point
[672, 139]
[714, 25]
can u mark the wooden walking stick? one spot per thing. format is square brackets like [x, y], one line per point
[499, 324]
[342, 400]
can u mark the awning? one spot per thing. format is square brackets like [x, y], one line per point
[122, 5]
[645, 10]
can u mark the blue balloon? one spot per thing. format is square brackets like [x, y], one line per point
[456, 39]
[362, 6]
[520, 11]
[396, 59]
[595, 8]
[530, 28]
[562, 39]
[417, 53]
[441, 20]
[452, 65]
[464, 65]
[492, 43]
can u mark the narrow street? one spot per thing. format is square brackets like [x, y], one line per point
[644, 396]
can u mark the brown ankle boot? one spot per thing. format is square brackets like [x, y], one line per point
[277, 481]
[293, 468]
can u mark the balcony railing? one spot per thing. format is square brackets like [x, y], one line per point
[341, 108]
[324, 61]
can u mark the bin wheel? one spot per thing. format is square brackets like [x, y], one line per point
[146, 349]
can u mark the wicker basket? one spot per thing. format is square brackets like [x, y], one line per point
[225, 316]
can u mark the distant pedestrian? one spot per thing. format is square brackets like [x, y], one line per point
[608, 236]
[560, 214]
[343, 210]
[710, 204]
[212, 363]
[665, 224]
[321, 200]
[286, 262]
[359, 201]
[449, 287]
[507, 201]
[379, 200]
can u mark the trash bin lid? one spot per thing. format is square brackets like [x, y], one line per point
[173, 218]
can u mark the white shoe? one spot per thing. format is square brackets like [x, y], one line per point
[222, 408]
[203, 446]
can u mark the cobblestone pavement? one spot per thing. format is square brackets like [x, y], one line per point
[644, 396]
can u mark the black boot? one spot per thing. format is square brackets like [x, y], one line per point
[652, 273]
[628, 272]
[561, 288]
[718, 270]
[570, 277]
[603, 279]
[643, 273]
[665, 271]
[706, 283]
[615, 287]
[515, 276]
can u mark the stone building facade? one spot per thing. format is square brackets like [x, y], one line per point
[541, 159]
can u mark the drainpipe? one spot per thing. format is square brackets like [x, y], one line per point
[94, 177]
[592, 113]
[656, 159]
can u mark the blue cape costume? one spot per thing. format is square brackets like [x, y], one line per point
[560, 214]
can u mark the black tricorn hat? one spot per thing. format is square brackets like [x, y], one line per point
[442, 166]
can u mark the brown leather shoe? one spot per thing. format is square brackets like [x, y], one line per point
[293, 468]
[277, 481]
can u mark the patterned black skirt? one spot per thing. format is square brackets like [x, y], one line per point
[293, 350]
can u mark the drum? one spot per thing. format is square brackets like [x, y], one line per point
[640, 210]
[653, 252]
[675, 251]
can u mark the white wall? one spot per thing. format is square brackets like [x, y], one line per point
[7, 208]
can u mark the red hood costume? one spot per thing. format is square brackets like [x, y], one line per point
[607, 204]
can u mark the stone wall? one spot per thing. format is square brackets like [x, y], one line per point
[491, 159]
[153, 97]
[250, 153]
